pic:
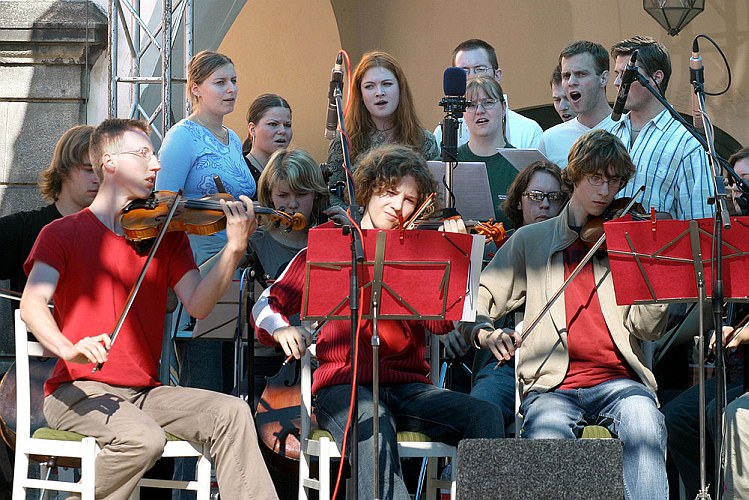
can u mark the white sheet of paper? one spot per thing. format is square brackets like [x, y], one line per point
[521, 158]
[470, 186]
[472, 294]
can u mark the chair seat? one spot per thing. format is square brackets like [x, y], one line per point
[48, 433]
[402, 436]
[596, 432]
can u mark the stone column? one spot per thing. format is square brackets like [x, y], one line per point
[47, 49]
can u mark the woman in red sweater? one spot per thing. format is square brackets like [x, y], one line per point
[390, 181]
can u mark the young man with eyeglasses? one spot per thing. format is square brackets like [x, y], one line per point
[581, 365]
[477, 58]
[85, 263]
[671, 163]
[584, 68]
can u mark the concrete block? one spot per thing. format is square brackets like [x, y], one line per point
[31, 130]
[41, 81]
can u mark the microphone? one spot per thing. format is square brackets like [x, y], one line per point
[454, 82]
[696, 75]
[336, 82]
[629, 76]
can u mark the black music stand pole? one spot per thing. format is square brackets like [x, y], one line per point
[722, 220]
[357, 257]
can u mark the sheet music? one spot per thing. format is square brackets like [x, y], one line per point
[472, 295]
[521, 158]
[470, 186]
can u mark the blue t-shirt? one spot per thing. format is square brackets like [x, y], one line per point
[190, 156]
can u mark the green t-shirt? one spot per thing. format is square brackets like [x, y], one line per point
[501, 174]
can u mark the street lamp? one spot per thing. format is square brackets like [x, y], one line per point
[673, 15]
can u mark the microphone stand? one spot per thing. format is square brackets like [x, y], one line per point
[722, 221]
[454, 107]
[357, 258]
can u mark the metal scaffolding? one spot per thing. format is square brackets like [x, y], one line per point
[149, 40]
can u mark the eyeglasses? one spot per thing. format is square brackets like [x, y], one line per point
[145, 153]
[598, 180]
[487, 104]
[552, 196]
[478, 70]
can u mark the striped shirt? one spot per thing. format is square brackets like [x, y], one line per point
[671, 164]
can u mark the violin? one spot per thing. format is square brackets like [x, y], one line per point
[593, 229]
[142, 219]
[494, 231]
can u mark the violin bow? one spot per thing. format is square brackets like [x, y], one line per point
[142, 275]
[9, 294]
[537, 319]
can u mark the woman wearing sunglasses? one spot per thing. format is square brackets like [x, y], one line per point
[536, 194]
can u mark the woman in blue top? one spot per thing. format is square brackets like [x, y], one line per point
[194, 150]
[200, 146]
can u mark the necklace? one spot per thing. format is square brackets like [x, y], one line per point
[381, 136]
[223, 136]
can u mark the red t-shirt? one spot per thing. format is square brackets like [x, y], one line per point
[97, 270]
[594, 358]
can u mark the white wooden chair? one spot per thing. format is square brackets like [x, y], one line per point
[319, 443]
[51, 448]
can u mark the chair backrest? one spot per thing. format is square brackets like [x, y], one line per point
[306, 388]
[26, 349]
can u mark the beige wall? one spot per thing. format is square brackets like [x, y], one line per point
[290, 50]
[287, 48]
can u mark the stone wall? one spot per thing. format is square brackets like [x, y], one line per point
[47, 49]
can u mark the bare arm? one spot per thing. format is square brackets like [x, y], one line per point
[200, 295]
[34, 311]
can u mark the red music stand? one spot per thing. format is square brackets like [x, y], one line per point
[425, 275]
[407, 275]
[664, 261]
[671, 261]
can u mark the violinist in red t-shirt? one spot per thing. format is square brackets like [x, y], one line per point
[85, 263]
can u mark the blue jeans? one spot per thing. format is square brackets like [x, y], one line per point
[443, 415]
[627, 408]
[496, 385]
